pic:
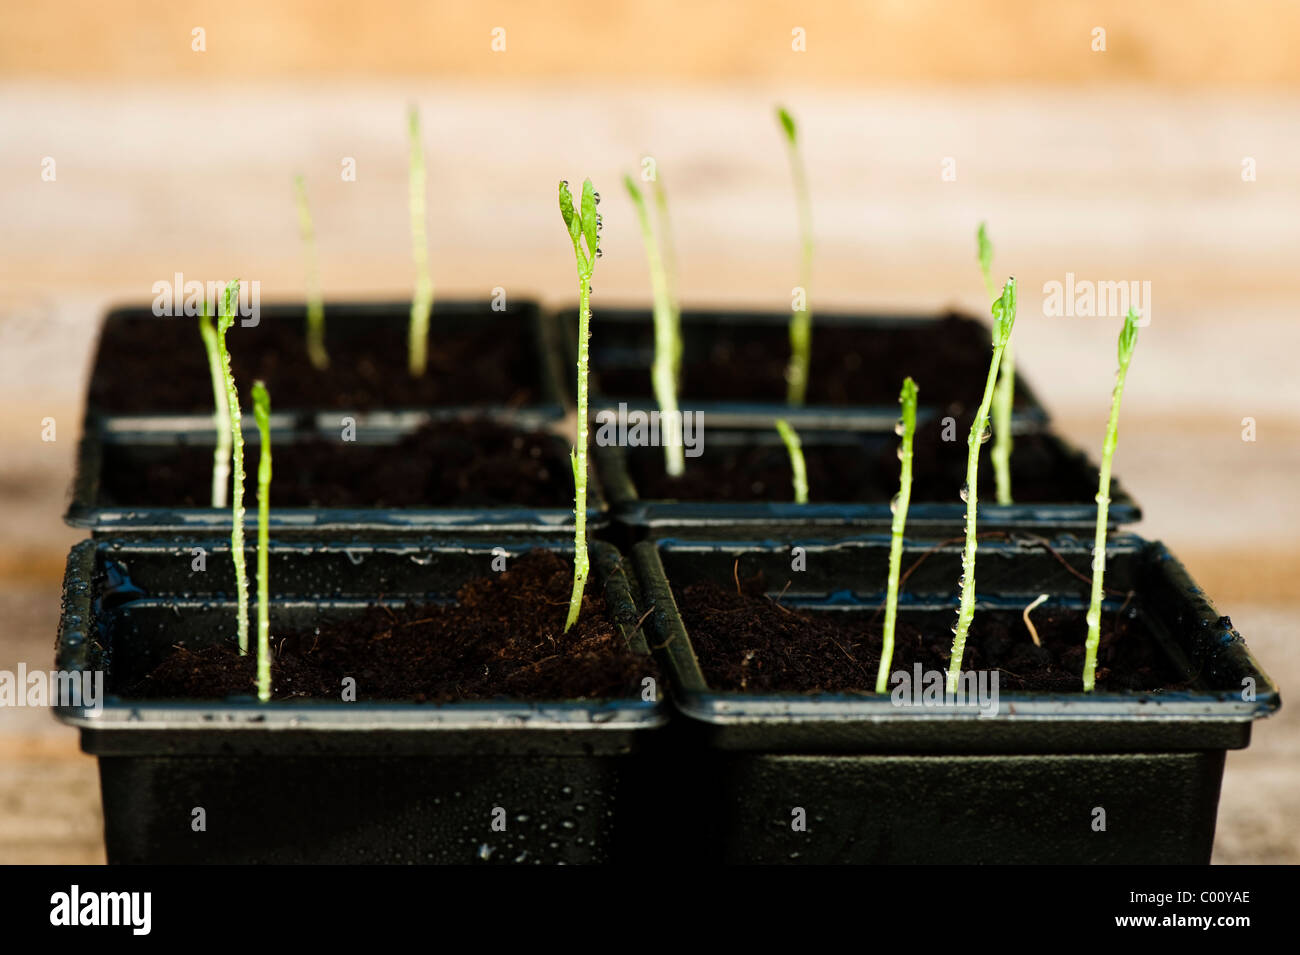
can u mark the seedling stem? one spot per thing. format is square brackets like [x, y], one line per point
[316, 352]
[422, 303]
[1127, 342]
[224, 323]
[801, 319]
[906, 428]
[1006, 390]
[221, 409]
[795, 448]
[663, 373]
[262, 414]
[1004, 317]
[584, 231]
[670, 272]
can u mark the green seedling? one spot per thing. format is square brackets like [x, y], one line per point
[1004, 317]
[422, 302]
[221, 409]
[262, 414]
[224, 323]
[583, 225]
[1127, 342]
[316, 352]
[670, 272]
[801, 319]
[797, 465]
[663, 373]
[906, 429]
[1006, 390]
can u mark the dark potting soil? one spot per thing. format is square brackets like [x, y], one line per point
[861, 471]
[158, 365]
[443, 464]
[748, 641]
[949, 360]
[503, 638]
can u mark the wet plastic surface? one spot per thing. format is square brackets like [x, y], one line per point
[726, 519]
[140, 436]
[884, 783]
[341, 782]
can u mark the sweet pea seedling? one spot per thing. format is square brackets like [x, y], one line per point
[670, 271]
[801, 319]
[906, 429]
[1000, 454]
[1127, 342]
[797, 464]
[316, 352]
[224, 323]
[663, 373]
[262, 414]
[583, 225]
[221, 408]
[422, 302]
[1004, 317]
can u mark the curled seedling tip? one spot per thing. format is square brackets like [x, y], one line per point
[907, 396]
[787, 124]
[1029, 624]
[986, 259]
[229, 301]
[571, 220]
[1004, 313]
[1128, 337]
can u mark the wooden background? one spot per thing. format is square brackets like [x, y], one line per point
[1117, 165]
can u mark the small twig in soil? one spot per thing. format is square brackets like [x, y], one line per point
[666, 642]
[643, 619]
[776, 601]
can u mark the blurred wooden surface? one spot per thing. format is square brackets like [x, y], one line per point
[1182, 43]
[1110, 184]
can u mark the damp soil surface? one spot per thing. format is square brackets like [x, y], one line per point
[158, 365]
[503, 638]
[948, 358]
[862, 468]
[442, 464]
[750, 642]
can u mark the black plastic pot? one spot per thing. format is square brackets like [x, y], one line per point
[1055, 461]
[149, 365]
[339, 782]
[139, 444]
[886, 783]
[873, 351]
